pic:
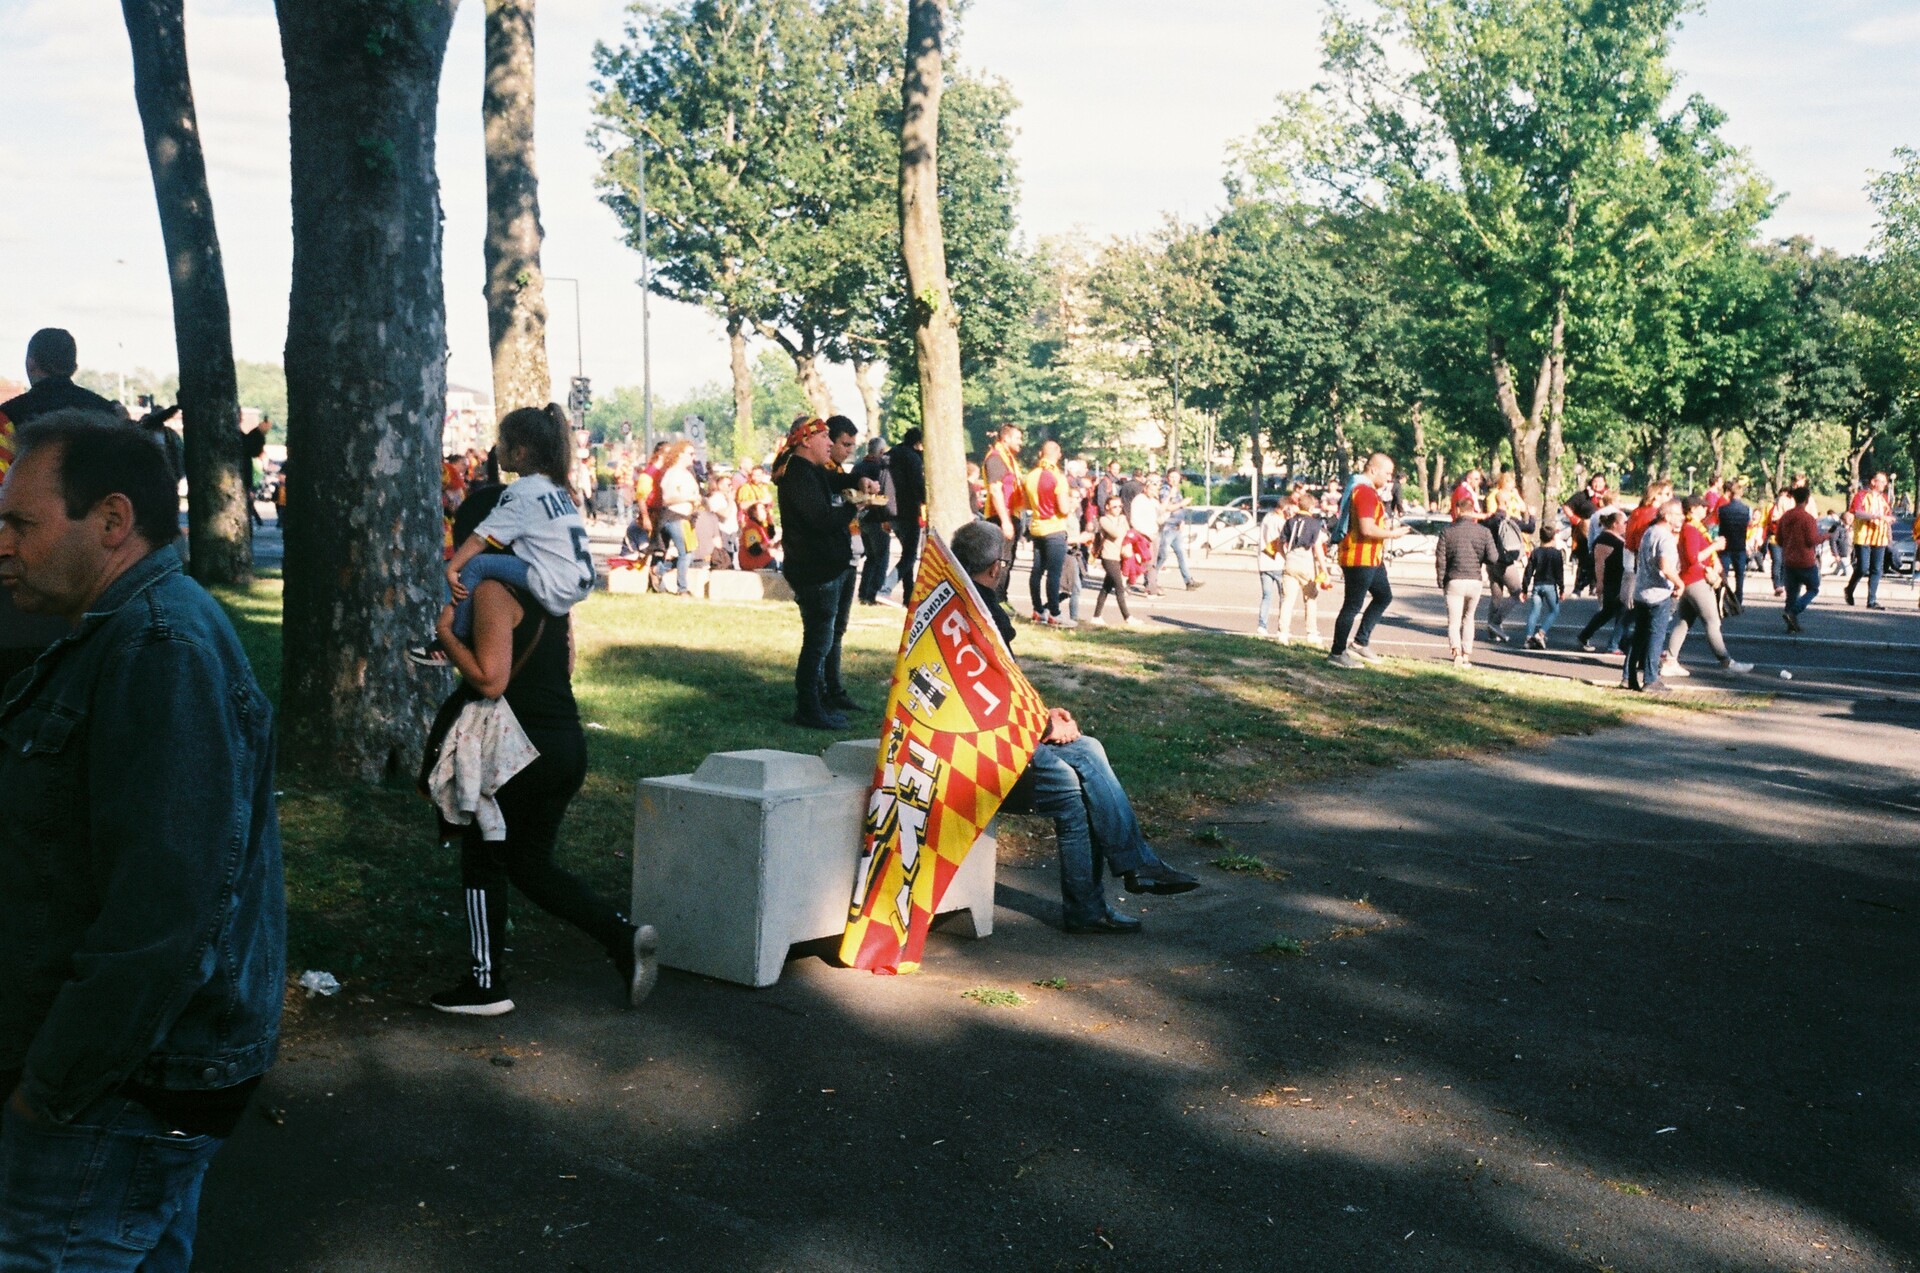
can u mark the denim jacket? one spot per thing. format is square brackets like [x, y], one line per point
[142, 910]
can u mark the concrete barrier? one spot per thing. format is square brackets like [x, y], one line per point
[756, 851]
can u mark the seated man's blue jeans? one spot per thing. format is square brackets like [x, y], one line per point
[112, 1190]
[500, 567]
[1093, 820]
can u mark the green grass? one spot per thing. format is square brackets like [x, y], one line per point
[1212, 837]
[995, 997]
[1052, 983]
[1283, 945]
[1193, 722]
[1239, 862]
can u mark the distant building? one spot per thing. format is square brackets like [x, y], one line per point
[469, 422]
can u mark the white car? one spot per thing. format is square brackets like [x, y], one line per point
[1421, 541]
[1208, 530]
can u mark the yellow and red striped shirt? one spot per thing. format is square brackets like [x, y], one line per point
[1047, 498]
[1358, 549]
[6, 445]
[1868, 532]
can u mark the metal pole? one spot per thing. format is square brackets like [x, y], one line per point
[646, 309]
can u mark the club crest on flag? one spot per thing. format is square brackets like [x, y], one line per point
[961, 725]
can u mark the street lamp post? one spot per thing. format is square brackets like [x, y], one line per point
[646, 284]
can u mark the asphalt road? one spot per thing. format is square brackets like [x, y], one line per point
[1637, 1001]
[1844, 649]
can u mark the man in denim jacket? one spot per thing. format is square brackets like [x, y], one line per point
[142, 912]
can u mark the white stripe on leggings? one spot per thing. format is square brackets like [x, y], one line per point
[482, 941]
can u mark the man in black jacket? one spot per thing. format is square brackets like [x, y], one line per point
[876, 534]
[817, 525]
[52, 358]
[907, 462]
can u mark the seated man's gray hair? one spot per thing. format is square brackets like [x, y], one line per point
[978, 545]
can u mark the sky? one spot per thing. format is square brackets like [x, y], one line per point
[1127, 110]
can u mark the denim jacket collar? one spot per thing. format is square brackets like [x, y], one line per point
[133, 581]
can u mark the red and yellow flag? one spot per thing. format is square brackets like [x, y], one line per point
[961, 725]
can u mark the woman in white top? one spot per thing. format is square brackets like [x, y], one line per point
[679, 498]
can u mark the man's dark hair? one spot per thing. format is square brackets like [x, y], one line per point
[978, 545]
[101, 455]
[838, 426]
[1801, 495]
[1612, 517]
[912, 437]
[53, 351]
[1689, 503]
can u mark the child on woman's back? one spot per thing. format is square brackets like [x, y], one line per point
[534, 538]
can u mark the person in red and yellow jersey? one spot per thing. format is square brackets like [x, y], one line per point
[1363, 564]
[1871, 517]
[1002, 494]
[1047, 496]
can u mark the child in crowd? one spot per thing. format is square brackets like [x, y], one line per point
[1544, 581]
[533, 539]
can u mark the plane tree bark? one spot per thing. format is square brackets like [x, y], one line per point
[516, 289]
[219, 539]
[366, 380]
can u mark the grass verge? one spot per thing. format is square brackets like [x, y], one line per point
[1193, 722]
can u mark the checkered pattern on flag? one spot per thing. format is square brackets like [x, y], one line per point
[961, 725]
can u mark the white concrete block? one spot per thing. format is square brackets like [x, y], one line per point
[629, 579]
[758, 850]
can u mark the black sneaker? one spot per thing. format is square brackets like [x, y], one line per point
[470, 999]
[429, 655]
[844, 701]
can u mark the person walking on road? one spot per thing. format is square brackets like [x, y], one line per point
[1736, 525]
[1799, 538]
[1047, 498]
[1173, 506]
[1656, 583]
[1699, 600]
[1111, 545]
[1363, 565]
[1510, 522]
[1466, 551]
[1298, 545]
[1541, 584]
[1870, 516]
[1610, 577]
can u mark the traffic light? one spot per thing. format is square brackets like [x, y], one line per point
[580, 397]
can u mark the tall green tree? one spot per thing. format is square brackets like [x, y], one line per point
[1528, 148]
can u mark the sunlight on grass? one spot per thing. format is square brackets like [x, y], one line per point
[1191, 721]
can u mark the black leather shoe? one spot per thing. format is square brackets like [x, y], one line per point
[827, 719]
[844, 701]
[1112, 924]
[1163, 880]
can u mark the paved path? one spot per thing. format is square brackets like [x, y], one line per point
[1643, 1000]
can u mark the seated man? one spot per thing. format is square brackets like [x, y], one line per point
[1070, 781]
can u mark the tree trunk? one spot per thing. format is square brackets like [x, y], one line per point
[936, 322]
[813, 385]
[366, 380]
[1421, 470]
[219, 537]
[1259, 461]
[869, 404]
[1717, 443]
[1523, 429]
[1556, 401]
[516, 290]
[742, 388]
[1341, 446]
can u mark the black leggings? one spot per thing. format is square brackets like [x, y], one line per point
[1049, 563]
[532, 803]
[1610, 608]
[1114, 585]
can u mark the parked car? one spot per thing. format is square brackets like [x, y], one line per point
[1216, 529]
[1423, 537]
[1900, 556]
